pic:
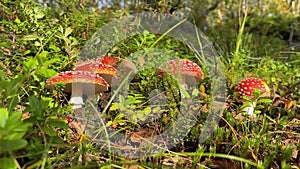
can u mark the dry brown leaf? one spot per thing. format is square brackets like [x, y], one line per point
[289, 104]
[25, 116]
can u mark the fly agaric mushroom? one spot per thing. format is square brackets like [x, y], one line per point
[77, 83]
[189, 70]
[246, 88]
[108, 60]
[105, 70]
[126, 69]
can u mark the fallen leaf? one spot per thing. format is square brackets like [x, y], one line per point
[289, 104]
[25, 116]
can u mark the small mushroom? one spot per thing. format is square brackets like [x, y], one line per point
[108, 60]
[78, 83]
[246, 88]
[126, 69]
[105, 70]
[189, 71]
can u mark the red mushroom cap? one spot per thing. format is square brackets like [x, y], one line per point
[246, 88]
[99, 68]
[125, 68]
[183, 67]
[108, 60]
[70, 77]
[106, 71]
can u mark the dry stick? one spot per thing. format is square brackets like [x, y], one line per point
[7, 70]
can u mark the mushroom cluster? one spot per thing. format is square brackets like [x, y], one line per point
[98, 73]
[93, 75]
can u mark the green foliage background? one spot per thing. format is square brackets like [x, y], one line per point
[40, 39]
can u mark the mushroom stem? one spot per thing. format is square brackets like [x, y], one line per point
[183, 85]
[77, 83]
[250, 109]
[76, 98]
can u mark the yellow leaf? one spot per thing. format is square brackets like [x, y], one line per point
[289, 104]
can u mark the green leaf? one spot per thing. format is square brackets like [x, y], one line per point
[11, 145]
[3, 117]
[35, 106]
[68, 31]
[185, 93]
[257, 112]
[13, 102]
[46, 102]
[109, 123]
[27, 52]
[15, 135]
[56, 140]
[30, 64]
[113, 107]
[36, 43]
[195, 92]
[30, 37]
[55, 48]
[121, 99]
[17, 20]
[12, 87]
[246, 104]
[38, 13]
[7, 163]
[2, 74]
[147, 110]
[156, 110]
[14, 120]
[49, 131]
[39, 16]
[42, 57]
[264, 101]
[49, 62]
[4, 44]
[284, 119]
[58, 123]
[247, 99]
[256, 93]
[46, 72]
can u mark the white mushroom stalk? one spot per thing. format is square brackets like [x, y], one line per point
[76, 99]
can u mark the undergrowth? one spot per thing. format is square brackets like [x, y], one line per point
[37, 43]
